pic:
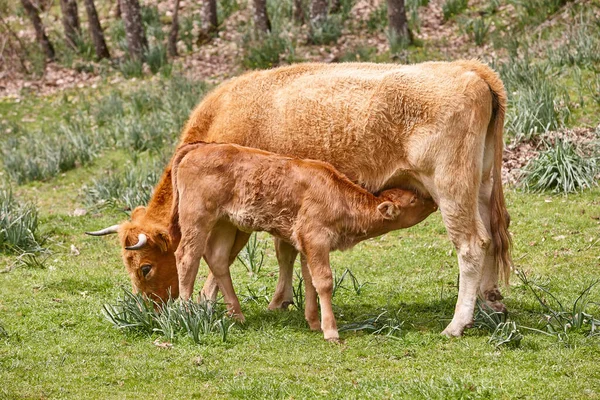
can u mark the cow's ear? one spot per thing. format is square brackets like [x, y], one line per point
[388, 210]
[139, 212]
[163, 241]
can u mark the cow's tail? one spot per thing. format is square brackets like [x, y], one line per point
[174, 227]
[500, 219]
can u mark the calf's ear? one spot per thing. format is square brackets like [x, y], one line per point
[163, 240]
[388, 210]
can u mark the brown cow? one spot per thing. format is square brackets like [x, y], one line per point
[220, 188]
[435, 127]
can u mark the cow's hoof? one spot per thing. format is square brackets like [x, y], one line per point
[335, 340]
[314, 325]
[492, 300]
[454, 330]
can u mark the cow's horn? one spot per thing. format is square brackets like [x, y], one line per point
[142, 239]
[105, 231]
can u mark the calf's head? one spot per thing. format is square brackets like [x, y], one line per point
[148, 255]
[405, 208]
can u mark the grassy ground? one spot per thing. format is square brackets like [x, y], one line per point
[101, 149]
[59, 345]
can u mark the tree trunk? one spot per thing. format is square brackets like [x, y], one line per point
[335, 6]
[298, 11]
[209, 21]
[118, 10]
[134, 29]
[172, 43]
[96, 30]
[318, 11]
[70, 21]
[397, 20]
[262, 24]
[40, 33]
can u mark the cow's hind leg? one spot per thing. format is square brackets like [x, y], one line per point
[488, 289]
[284, 294]
[468, 234]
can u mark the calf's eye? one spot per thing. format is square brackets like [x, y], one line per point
[146, 269]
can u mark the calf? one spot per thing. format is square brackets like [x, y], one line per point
[219, 189]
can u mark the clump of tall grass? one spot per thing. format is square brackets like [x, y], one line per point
[126, 190]
[45, 154]
[170, 319]
[326, 31]
[451, 8]
[387, 323]
[18, 224]
[477, 29]
[266, 52]
[252, 255]
[582, 47]
[560, 168]
[560, 320]
[503, 332]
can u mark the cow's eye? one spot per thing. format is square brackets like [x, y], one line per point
[146, 269]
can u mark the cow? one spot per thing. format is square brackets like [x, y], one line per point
[434, 127]
[219, 189]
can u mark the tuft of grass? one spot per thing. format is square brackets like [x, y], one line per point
[125, 190]
[156, 58]
[582, 47]
[131, 68]
[560, 321]
[170, 319]
[267, 52]
[451, 8]
[18, 224]
[327, 31]
[252, 255]
[503, 332]
[560, 168]
[378, 19]
[477, 29]
[386, 323]
[359, 53]
[347, 274]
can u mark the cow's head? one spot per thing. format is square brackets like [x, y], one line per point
[148, 254]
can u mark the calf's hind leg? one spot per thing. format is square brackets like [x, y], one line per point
[219, 254]
[284, 294]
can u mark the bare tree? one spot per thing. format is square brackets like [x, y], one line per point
[262, 24]
[209, 21]
[134, 29]
[96, 30]
[318, 11]
[172, 43]
[70, 21]
[40, 33]
[399, 31]
[299, 11]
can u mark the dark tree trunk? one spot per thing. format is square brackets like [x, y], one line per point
[335, 6]
[70, 21]
[262, 24]
[96, 30]
[299, 11]
[172, 44]
[134, 29]
[209, 21]
[397, 20]
[318, 11]
[118, 10]
[40, 33]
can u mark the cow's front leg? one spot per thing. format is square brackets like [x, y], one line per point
[284, 293]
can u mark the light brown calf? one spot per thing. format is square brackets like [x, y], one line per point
[220, 188]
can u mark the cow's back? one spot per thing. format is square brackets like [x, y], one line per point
[361, 118]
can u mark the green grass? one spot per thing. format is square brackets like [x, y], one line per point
[58, 343]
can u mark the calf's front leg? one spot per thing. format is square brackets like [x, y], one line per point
[322, 279]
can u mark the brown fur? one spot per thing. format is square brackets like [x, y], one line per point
[307, 203]
[435, 127]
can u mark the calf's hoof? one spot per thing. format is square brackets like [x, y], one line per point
[314, 325]
[278, 304]
[237, 316]
[332, 335]
[456, 329]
